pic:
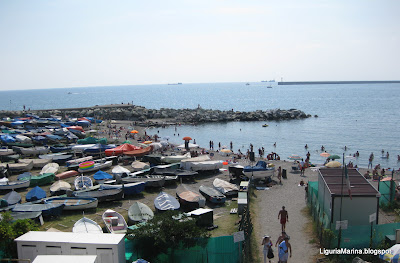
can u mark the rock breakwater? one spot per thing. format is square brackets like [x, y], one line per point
[139, 113]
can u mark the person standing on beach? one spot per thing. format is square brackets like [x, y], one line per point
[284, 217]
[267, 248]
[280, 175]
[284, 249]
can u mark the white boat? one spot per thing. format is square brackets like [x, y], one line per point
[97, 166]
[114, 222]
[14, 184]
[205, 166]
[225, 187]
[83, 182]
[81, 147]
[51, 168]
[138, 166]
[59, 187]
[86, 225]
[74, 203]
[37, 163]
[119, 171]
[79, 160]
[139, 212]
[23, 139]
[175, 158]
[35, 150]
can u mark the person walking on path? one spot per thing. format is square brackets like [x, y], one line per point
[284, 249]
[281, 238]
[280, 175]
[284, 217]
[267, 250]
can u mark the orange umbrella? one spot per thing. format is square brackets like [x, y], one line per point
[325, 154]
[134, 131]
[187, 138]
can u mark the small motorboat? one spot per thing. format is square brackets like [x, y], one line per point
[139, 212]
[265, 125]
[86, 225]
[82, 182]
[67, 174]
[50, 168]
[15, 184]
[41, 179]
[225, 187]
[101, 195]
[138, 166]
[74, 203]
[150, 180]
[35, 194]
[164, 202]
[35, 150]
[18, 167]
[189, 198]
[212, 195]
[100, 176]
[119, 171]
[12, 198]
[46, 209]
[37, 163]
[59, 188]
[56, 157]
[114, 222]
[129, 189]
[139, 152]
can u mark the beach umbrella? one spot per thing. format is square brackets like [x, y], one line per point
[226, 151]
[295, 157]
[134, 131]
[147, 142]
[325, 154]
[335, 156]
[333, 164]
[187, 138]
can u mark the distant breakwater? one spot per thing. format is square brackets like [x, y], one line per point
[141, 114]
[337, 82]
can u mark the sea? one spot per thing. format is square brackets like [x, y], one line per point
[345, 117]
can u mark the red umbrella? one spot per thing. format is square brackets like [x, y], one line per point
[187, 138]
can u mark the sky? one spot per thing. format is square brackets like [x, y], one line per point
[48, 44]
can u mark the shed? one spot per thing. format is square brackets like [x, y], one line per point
[333, 197]
[109, 248]
[64, 259]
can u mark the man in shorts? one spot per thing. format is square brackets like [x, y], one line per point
[284, 249]
[284, 217]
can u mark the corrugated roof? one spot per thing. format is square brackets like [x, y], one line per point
[334, 177]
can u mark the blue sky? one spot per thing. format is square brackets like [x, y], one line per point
[71, 43]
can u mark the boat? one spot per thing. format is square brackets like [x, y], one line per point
[114, 222]
[56, 157]
[67, 174]
[3, 203]
[42, 179]
[59, 188]
[97, 166]
[50, 168]
[119, 150]
[12, 198]
[6, 152]
[98, 148]
[9, 158]
[225, 187]
[37, 163]
[46, 209]
[138, 166]
[18, 167]
[82, 182]
[212, 194]
[139, 212]
[36, 216]
[86, 225]
[139, 152]
[101, 195]
[15, 185]
[150, 180]
[79, 160]
[35, 150]
[175, 158]
[35, 194]
[74, 203]
[57, 149]
[260, 170]
[265, 125]
[100, 176]
[129, 189]
[206, 166]
[81, 147]
[189, 198]
[164, 202]
[119, 171]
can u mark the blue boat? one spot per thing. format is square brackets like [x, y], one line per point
[98, 148]
[46, 209]
[35, 194]
[129, 189]
[57, 149]
[260, 170]
[100, 176]
[164, 202]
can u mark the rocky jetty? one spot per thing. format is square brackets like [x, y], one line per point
[141, 114]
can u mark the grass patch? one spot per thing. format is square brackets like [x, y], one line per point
[226, 222]
[255, 246]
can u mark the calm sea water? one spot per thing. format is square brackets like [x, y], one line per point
[363, 117]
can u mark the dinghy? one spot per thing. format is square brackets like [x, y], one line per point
[129, 189]
[225, 187]
[74, 203]
[79, 160]
[37, 163]
[212, 195]
[175, 158]
[18, 167]
[139, 212]
[50, 168]
[82, 182]
[97, 166]
[119, 171]
[15, 184]
[56, 157]
[150, 180]
[12, 198]
[41, 179]
[101, 195]
[100, 176]
[189, 198]
[86, 225]
[138, 166]
[164, 202]
[66, 175]
[35, 194]
[59, 188]
[35, 150]
[114, 222]
[119, 150]
[46, 209]
[140, 152]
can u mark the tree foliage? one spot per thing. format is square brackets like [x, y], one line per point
[165, 232]
[10, 230]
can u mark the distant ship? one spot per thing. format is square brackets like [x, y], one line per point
[69, 92]
[179, 83]
[247, 83]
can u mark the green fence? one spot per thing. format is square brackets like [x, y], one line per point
[216, 249]
[387, 190]
[353, 236]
